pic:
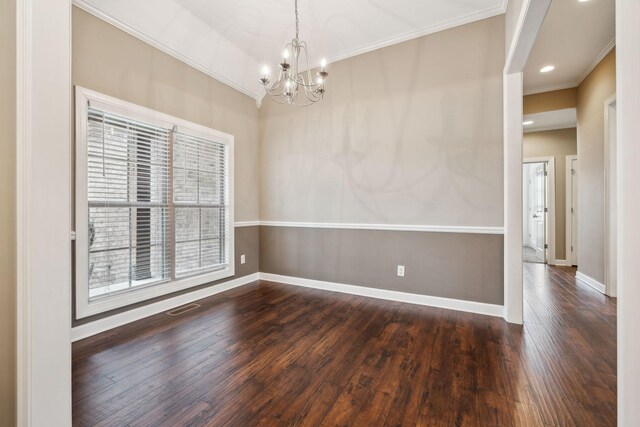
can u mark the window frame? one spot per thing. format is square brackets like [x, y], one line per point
[86, 307]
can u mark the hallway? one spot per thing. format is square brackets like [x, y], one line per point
[569, 347]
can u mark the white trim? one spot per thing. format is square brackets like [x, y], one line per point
[593, 283]
[102, 325]
[84, 305]
[550, 88]
[389, 227]
[513, 186]
[431, 301]
[561, 263]
[545, 159]
[608, 48]
[43, 175]
[23, 188]
[610, 216]
[98, 13]
[239, 224]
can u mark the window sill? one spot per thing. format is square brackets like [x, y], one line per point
[100, 305]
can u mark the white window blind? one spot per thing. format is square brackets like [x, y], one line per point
[200, 203]
[128, 194]
[157, 194]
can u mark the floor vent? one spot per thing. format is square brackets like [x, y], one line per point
[180, 310]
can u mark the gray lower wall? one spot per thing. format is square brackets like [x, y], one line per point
[450, 265]
[246, 242]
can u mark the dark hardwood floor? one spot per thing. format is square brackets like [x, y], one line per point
[271, 354]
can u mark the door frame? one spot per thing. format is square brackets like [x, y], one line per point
[569, 220]
[529, 20]
[43, 212]
[610, 211]
[628, 176]
[550, 204]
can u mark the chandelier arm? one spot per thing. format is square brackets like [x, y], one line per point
[306, 60]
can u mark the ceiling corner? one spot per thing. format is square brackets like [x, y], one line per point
[505, 4]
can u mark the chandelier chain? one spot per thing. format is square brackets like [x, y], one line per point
[297, 20]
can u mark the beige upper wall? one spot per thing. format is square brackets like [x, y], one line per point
[110, 61]
[599, 85]
[550, 101]
[559, 144]
[7, 212]
[408, 134]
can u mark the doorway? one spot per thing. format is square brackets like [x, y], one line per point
[538, 210]
[535, 212]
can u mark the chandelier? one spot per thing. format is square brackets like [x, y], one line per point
[292, 87]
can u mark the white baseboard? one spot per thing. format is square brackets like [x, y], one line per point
[431, 301]
[590, 282]
[102, 325]
[560, 263]
[107, 323]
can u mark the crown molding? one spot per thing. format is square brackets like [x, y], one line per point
[546, 128]
[258, 96]
[597, 60]
[431, 29]
[98, 13]
[550, 88]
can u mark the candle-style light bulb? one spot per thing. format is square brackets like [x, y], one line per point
[285, 55]
[323, 73]
[287, 90]
[265, 75]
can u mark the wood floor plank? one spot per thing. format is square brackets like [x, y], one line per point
[272, 354]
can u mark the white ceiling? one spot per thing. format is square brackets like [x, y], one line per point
[574, 37]
[231, 39]
[550, 120]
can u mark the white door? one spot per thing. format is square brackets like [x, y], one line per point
[539, 195]
[574, 212]
[531, 206]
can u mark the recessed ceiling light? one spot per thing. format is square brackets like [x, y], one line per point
[528, 122]
[547, 68]
[582, 1]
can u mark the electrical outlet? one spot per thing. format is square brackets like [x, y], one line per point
[401, 270]
[242, 259]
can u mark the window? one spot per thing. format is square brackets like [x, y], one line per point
[154, 204]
